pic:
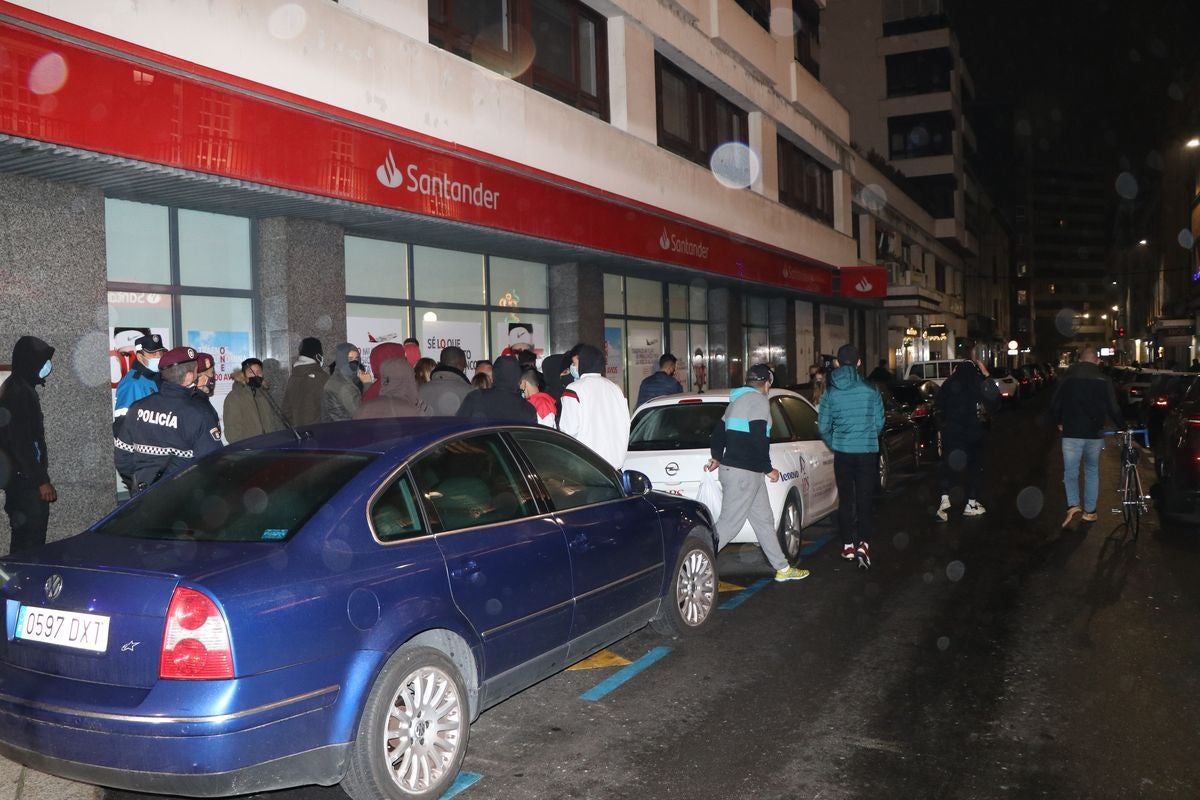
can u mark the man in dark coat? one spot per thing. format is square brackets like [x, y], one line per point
[504, 400]
[1082, 403]
[448, 384]
[306, 385]
[24, 465]
[660, 383]
[959, 402]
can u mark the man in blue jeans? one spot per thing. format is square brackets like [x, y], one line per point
[1082, 401]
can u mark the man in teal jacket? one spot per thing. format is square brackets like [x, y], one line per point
[850, 420]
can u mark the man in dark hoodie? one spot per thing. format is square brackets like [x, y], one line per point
[504, 401]
[397, 396]
[1083, 400]
[959, 402]
[24, 466]
[448, 384]
[343, 392]
[306, 384]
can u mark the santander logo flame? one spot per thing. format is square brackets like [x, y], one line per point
[864, 285]
[388, 174]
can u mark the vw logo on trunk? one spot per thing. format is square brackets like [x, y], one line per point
[53, 587]
[672, 469]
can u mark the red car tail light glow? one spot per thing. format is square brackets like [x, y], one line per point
[195, 643]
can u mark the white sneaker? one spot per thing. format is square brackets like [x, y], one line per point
[943, 508]
[973, 509]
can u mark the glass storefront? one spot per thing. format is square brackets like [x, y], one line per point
[483, 304]
[642, 317]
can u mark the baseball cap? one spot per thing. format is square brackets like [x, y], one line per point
[759, 373]
[149, 343]
[847, 355]
[177, 355]
[203, 361]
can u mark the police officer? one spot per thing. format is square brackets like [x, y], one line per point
[168, 430]
[206, 385]
[142, 378]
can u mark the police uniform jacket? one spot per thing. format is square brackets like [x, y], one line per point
[163, 432]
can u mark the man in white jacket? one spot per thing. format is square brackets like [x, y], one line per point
[594, 409]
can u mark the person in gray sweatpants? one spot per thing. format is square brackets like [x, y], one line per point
[741, 452]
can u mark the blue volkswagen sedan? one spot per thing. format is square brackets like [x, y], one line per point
[336, 606]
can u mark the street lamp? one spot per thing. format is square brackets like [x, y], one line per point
[1143, 243]
[1116, 308]
[1193, 143]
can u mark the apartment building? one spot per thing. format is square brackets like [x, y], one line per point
[238, 175]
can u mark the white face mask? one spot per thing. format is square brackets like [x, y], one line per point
[575, 372]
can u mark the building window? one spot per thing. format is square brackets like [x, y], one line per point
[918, 135]
[804, 183]
[693, 120]
[808, 35]
[912, 16]
[634, 336]
[934, 193]
[919, 72]
[564, 56]
[939, 276]
[759, 11]
[1022, 297]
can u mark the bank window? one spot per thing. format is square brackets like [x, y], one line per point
[636, 336]
[805, 184]
[693, 120]
[448, 276]
[643, 298]
[919, 135]
[518, 284]
[564, 54]
[214, 250]
[614, 294]
[677, 301]
[376, 268]
[137, 242]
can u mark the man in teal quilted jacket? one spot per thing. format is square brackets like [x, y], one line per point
[850, 420]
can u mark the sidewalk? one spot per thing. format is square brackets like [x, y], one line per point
[20, 783]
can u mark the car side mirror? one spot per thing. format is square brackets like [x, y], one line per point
[635, 483]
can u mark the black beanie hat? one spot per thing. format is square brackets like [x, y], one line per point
[310, 346]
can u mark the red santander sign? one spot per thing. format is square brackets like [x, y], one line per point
[864, 281]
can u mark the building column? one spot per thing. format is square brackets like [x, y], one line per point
[577, 300]
[301, 289]
[763, 143]
[52, 286]
[632, 99]
[725, 341]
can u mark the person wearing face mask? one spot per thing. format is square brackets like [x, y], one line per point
[306, 384]
[206, 385]
[24, 466]
[167, 430]
[143, 377]
[503, 400]
[533, 387]
[248, 410]
[593, 408]
[344, 390]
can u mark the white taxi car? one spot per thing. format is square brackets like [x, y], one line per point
[669, 442]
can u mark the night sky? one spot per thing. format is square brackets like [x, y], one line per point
[1093, 82]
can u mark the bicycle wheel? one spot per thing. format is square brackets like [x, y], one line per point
[1130, 501]
[1140, 506]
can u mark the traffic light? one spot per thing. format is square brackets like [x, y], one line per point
[1120, 333]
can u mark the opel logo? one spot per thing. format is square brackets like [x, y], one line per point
[53, 587]
[672, 469]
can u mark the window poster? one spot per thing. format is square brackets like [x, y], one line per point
[228, 349]
[645, 348]
[614, 355]
[439, 334]
[366, 332]
[514, 336]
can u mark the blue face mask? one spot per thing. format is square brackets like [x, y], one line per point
[575, 372]
[45, 370]
[152, 364]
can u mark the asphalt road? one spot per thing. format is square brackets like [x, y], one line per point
[993, 657]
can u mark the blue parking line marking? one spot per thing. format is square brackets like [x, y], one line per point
[813, 547]
[464, 781]
[741, 596]
[624, 674]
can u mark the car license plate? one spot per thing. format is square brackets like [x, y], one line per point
[64, 628]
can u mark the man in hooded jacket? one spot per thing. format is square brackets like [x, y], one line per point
[504, 401]
[397, 396]
[343, 391]
[306, 384]
[968, 389]
[248, 410]
[448, 385]
[24, 466]
[380, 355]
[594, 409]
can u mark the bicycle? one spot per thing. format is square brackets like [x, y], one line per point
[1134, 501]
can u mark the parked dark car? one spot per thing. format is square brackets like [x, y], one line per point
[335, 607]
[915, 399]
[1177, 455]
[1026, 376]
[1165, 392]
[900, 441]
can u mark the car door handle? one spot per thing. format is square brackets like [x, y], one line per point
[467, 568]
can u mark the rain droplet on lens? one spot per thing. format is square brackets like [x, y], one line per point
[955, 570]
[1023, 128]
[287, 21]
[943, 643]
[1174, 92]
[927, 577]
[1185, 239]
[1065, 321]
[735, 165]
[1154, 161]
[324, 322]
[1135, 57]
[255, 500]
[48, 74]
[493, 606]
[957, 459]
[784, 22]
[873, 197]
[900, 541]
[1030, 501]
[1127, 186]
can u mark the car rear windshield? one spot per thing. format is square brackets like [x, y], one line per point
[907, 393]
[240, 496]
[686, 426]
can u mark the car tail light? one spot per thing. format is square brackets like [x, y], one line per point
[1193, 422]
[195, 643]
[690, 401]
[1161, 402]
[1134, 390]
[920, 411]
